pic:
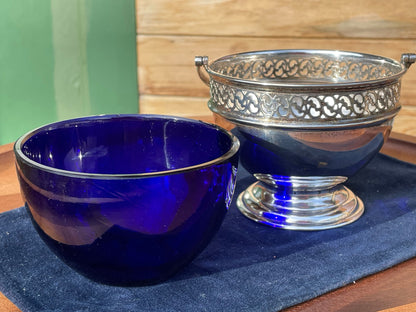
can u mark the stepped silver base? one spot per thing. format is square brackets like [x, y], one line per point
[300, 203]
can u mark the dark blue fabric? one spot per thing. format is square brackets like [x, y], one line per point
[247, 267]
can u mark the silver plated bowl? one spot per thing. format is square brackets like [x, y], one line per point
[310, 120]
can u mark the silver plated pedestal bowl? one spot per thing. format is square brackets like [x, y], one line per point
[310, 119]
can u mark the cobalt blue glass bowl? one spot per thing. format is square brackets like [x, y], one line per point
[127, 199]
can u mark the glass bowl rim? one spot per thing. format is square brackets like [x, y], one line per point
[235, 145]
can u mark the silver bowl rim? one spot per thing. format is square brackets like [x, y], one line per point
[301, 85]
[235, 145]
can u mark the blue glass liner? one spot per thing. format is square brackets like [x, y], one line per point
[289, 156]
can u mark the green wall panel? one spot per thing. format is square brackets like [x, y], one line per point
[26, 67]
[63, 59]
[114, 39]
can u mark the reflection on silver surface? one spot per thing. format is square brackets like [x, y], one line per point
[324, 152]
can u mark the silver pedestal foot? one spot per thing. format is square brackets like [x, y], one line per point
[300, 203]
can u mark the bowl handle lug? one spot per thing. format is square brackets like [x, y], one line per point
[202, 61]
[408, 59]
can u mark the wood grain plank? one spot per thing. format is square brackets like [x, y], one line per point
[174, 105]
[390, 289]
[9, 185]
[405, 120]
[281, 18]
[411, 307]
[6, 305]
[166, 63]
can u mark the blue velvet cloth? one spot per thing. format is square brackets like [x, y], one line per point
[247, 267]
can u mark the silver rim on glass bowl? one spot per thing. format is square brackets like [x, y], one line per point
[311, 119]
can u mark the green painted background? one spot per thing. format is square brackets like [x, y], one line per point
[65, 58]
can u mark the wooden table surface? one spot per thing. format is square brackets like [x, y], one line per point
[393, 290]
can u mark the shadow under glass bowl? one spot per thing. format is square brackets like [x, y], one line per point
[310, 119]
[127, 199]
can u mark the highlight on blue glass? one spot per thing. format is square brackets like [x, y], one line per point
[127, 199]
